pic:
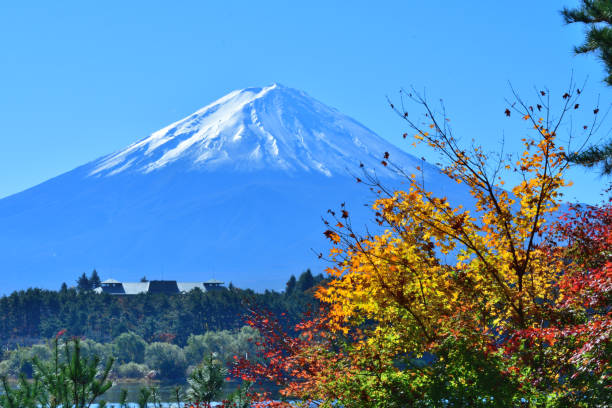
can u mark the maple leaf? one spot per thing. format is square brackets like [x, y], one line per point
[332, 236]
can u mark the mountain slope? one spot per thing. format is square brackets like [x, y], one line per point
[253, 129]
[234, 191]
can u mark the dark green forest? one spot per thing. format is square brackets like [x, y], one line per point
[30, 315]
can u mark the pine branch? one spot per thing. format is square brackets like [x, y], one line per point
[593, 156]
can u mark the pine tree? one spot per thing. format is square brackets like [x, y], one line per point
[290, 285]
[306, 281]
[74, 380]
[94, 280]
[83, 283]
[597, 15]
[594, 156]
[206, 382]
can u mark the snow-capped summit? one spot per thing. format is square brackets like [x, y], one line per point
[255, 128]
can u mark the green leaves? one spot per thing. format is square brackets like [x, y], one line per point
[206, 381]
[25, 395]
[597, 15]
[68, 380]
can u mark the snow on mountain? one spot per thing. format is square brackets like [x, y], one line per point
[252, 129]
[234, 191]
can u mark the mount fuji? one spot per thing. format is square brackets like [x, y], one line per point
[234, 191]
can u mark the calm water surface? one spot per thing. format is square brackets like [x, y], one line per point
[166, 391]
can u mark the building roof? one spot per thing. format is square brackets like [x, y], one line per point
[135, 288]
[163, 286]
[114, 287]
[185, 287]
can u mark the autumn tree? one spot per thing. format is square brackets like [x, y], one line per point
[579, 327]
[427, 311]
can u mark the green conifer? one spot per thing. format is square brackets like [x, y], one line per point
[597, 15]
[94, 280]
[83, 283]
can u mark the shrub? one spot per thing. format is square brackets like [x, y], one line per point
[91, 349]
[132, 370]
[20, 360]
[129, 347]
[169, 360]
[223, 344]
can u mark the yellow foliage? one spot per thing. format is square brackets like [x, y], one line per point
[439, 268]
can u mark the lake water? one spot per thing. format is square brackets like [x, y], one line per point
[166, 391]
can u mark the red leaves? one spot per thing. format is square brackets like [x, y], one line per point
[286, 357]
[507, 112]
[579, 323]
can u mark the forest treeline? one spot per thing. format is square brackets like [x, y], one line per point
[30, 315]
[135, 358]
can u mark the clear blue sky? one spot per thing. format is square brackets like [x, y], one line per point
[82, 79]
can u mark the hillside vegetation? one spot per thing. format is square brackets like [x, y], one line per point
[29, 316]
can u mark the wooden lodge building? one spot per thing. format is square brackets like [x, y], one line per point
[168, 287]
